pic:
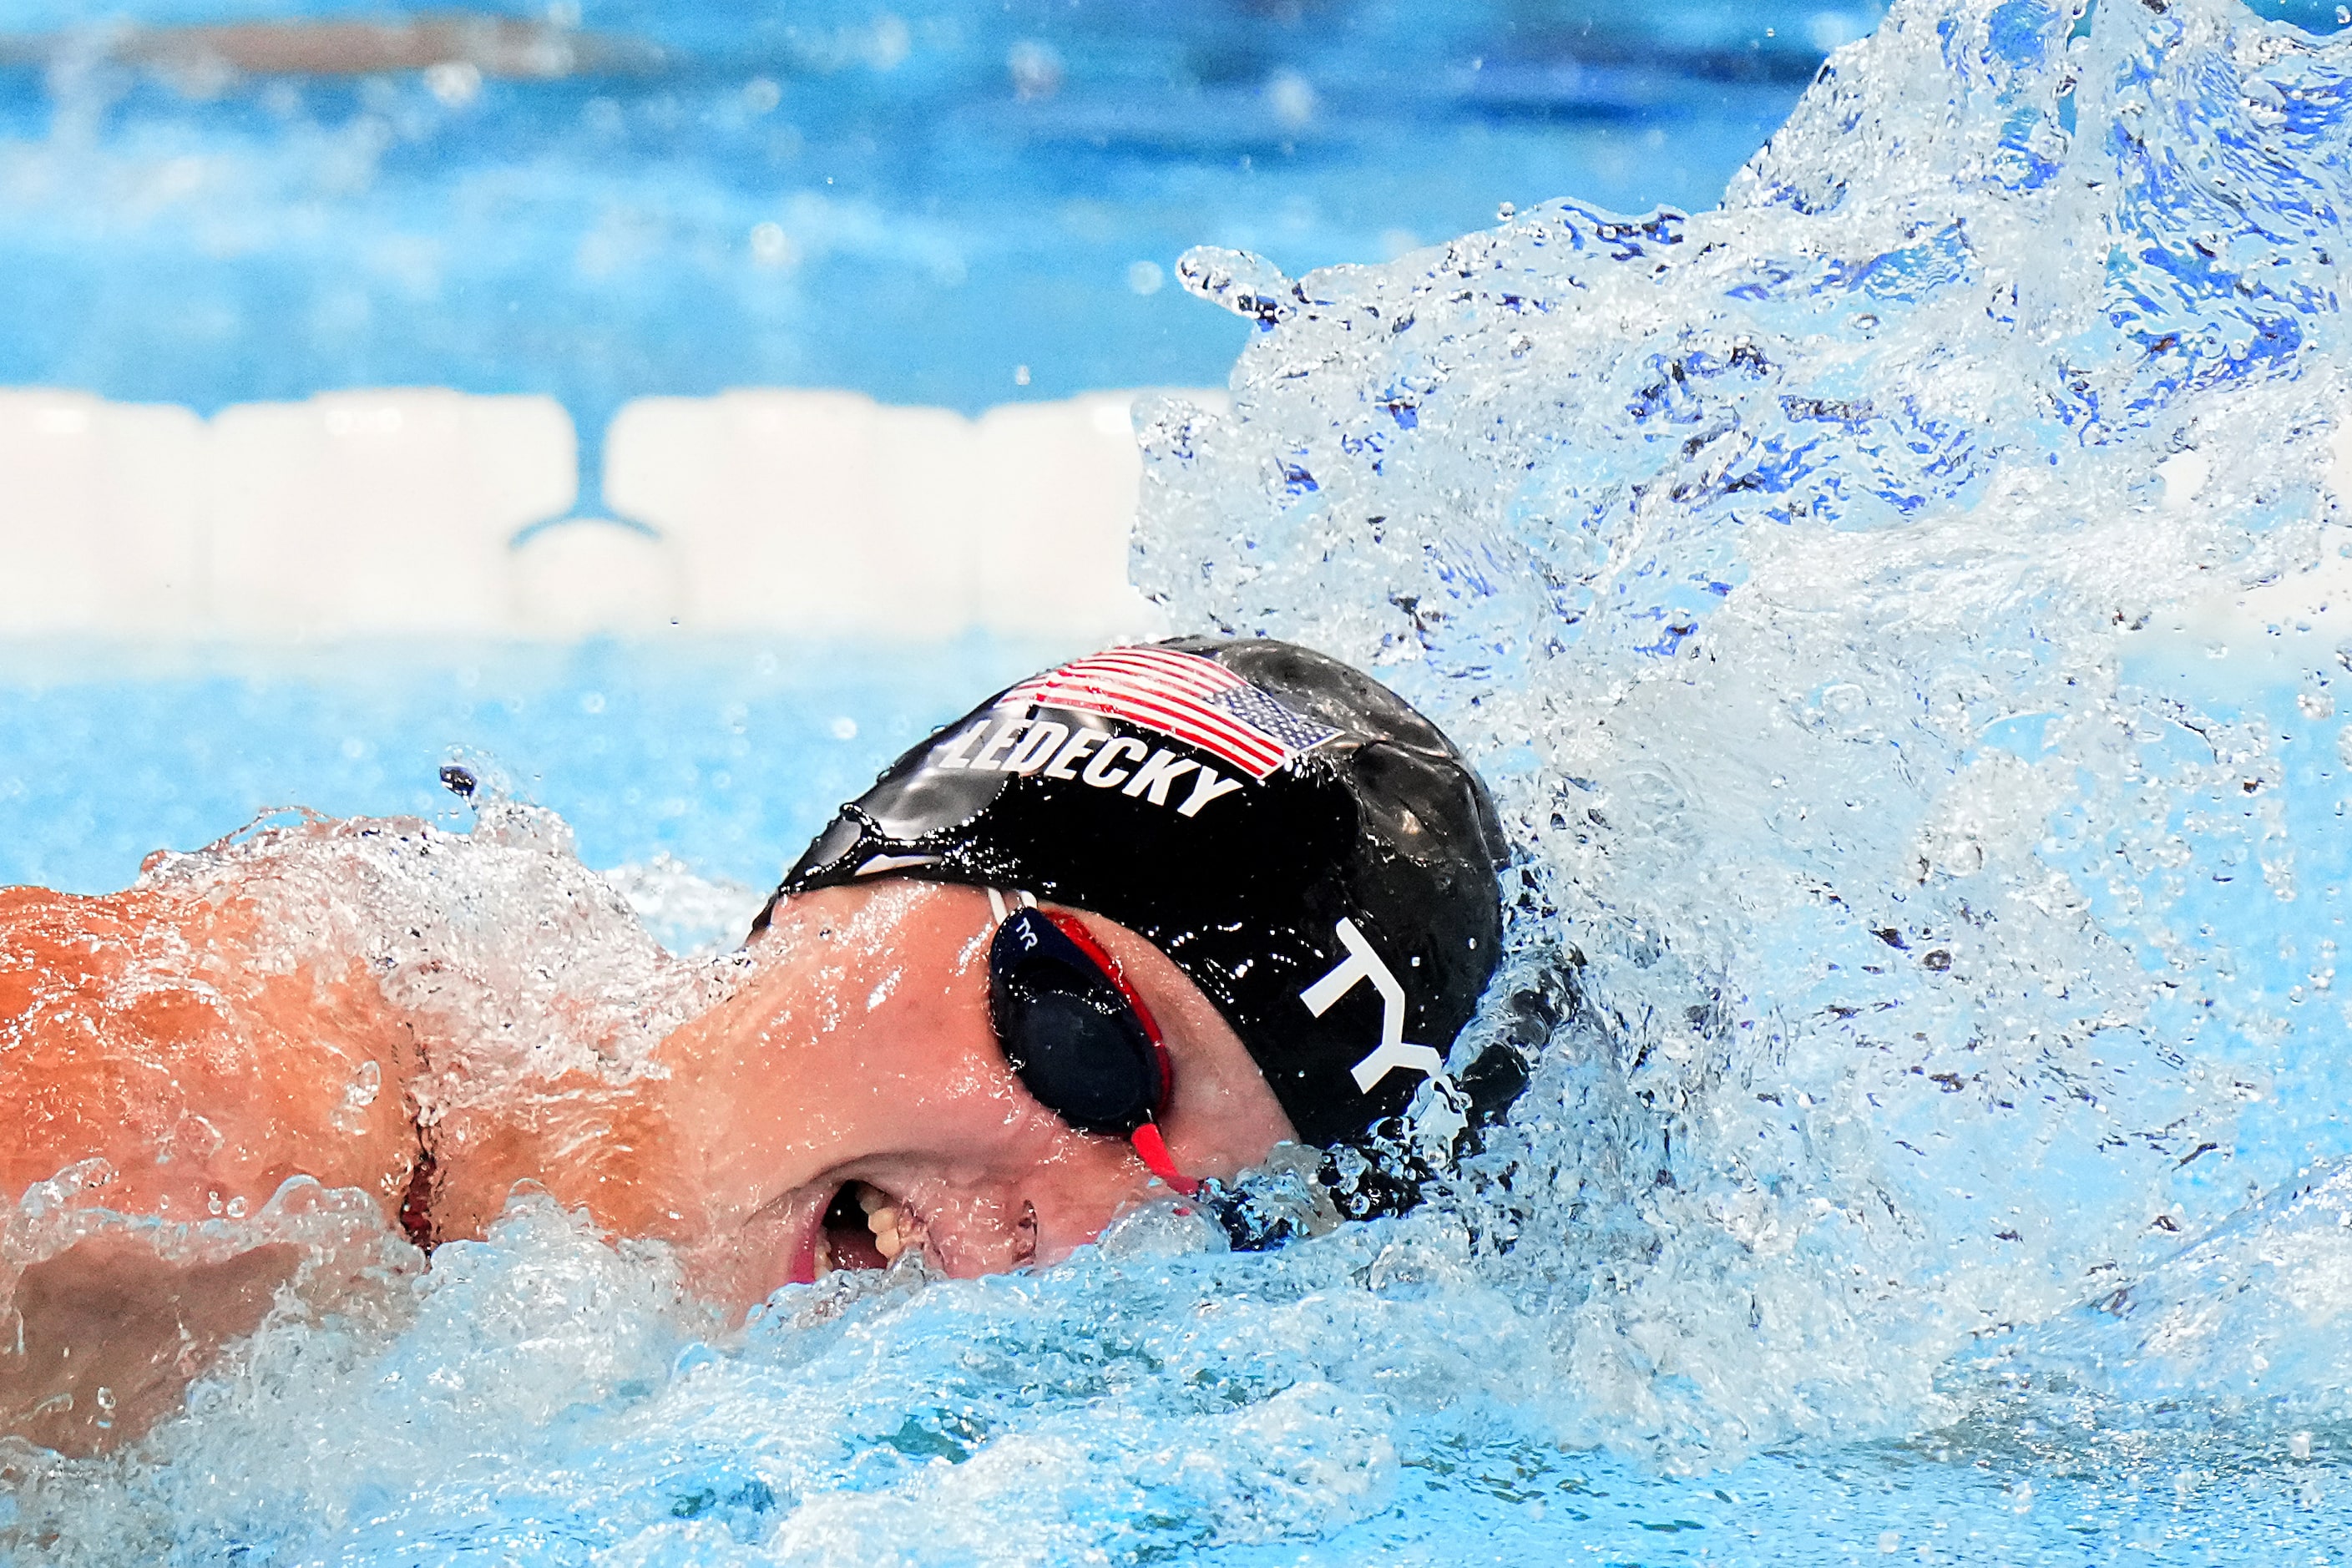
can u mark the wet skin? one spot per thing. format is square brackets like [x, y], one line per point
[849, 1068]
[860, 1051]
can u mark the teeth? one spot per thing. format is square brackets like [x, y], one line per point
[884, 1223]
[894, 1232]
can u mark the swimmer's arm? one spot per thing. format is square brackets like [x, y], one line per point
[104, 1339]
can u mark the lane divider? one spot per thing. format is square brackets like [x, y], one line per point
[426, 512]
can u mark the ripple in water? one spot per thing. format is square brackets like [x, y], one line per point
[1904, 615]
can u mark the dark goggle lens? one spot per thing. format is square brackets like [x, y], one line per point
[1067, 1030]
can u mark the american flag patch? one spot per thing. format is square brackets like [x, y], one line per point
[1193, 700]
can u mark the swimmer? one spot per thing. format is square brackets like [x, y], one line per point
[1122, 929]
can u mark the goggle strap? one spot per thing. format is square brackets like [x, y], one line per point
[997, 907]
[1153, 1150]
[1084, 940]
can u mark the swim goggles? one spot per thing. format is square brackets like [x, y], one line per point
[1075, 1033]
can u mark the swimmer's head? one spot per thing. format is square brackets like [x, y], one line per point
[1310, 852]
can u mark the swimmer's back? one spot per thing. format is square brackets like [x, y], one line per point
[137, 1028]
[334, 999]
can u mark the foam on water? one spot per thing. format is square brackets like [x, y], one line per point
[1932, 959]
[1895, 611]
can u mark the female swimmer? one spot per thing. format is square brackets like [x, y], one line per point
[1128, 924]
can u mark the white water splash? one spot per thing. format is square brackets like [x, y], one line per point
[1934, 965]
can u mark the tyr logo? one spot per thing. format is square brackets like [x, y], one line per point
[1362, 964]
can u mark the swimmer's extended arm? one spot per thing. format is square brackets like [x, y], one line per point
[105, 1336]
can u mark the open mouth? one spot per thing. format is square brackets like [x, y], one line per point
[865, 1228]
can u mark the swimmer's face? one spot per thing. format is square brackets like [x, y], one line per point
[853, 1102]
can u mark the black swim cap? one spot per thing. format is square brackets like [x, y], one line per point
[1310, 851]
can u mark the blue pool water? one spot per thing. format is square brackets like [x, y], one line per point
[1904, 612]
[979, 187]
[725, 757]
